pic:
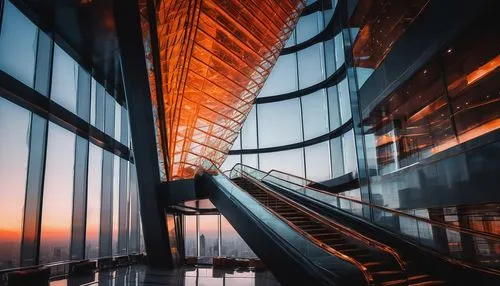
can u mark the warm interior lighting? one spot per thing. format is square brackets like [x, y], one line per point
[469, 135]
[427, 110]
[215, 57]
[483, 70]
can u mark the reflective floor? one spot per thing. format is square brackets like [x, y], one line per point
[142, 275]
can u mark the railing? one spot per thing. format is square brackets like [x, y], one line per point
[295, 240]
[359, 237]
[447, 241]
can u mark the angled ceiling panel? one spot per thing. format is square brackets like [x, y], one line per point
[215, 56]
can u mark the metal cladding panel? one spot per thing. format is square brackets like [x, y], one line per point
[214, 58]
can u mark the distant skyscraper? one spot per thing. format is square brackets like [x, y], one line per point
[202, 245]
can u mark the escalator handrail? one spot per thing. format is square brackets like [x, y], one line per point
[217, 171]
[329, 249]
[399, 213]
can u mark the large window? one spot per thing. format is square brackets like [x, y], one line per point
[51, 192]
[18, 41]
[208, 237]
[203, 234]
[14, 151]
[57, 195]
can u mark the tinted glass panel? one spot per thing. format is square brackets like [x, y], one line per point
[93, 201]
[310, 64]
[318, 162]
[349, 151]
[14, 150]
[344, 101]
[249, 131]
[280, 123]
[283, 77]
[309, 26]
[64, 79]
[315, 114]
[57, 195]
[18, 41]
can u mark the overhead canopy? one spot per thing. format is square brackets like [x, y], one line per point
[215, 57]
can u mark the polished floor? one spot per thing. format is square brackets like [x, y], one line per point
[188, 276]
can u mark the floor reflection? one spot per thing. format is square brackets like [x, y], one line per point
[189, 276]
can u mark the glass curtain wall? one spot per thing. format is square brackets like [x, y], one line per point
[300, 121]
[204, 234]
[49, 172]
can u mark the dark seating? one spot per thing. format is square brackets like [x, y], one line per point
[30, 277]
[105, 263]
[82, 267]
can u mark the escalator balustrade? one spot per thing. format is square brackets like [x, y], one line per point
[383, 268]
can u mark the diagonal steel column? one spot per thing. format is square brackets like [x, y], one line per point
[140, 108]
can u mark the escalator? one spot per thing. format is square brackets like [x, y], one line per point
[290, 256]
[302, 247]
[429, 249]
[384, 271]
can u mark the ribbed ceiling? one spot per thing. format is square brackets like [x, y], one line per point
[215, 57]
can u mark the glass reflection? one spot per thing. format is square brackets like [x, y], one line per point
[57, 195]
[14, 150]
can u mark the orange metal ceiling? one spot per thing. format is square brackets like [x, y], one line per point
[215, 56]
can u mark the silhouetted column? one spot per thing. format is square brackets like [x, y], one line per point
[142, 127]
